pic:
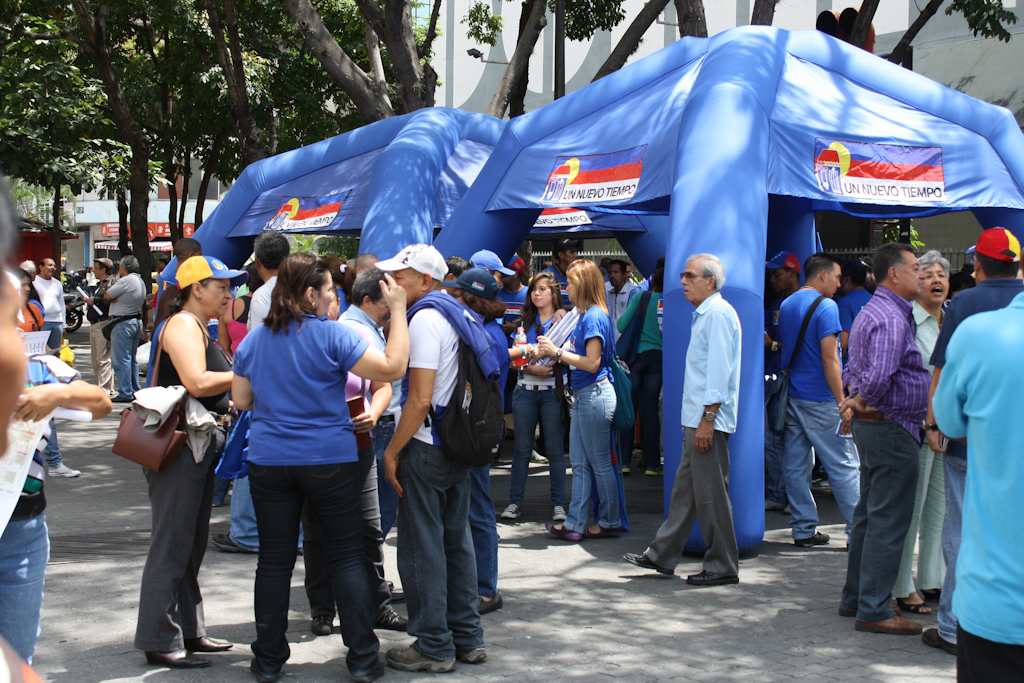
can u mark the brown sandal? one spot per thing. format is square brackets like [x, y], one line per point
[919, 608]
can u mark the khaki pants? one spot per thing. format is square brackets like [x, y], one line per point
[101, 356]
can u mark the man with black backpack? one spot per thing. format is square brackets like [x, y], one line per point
[451, 407]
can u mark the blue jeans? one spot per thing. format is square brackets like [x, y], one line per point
[435, 552]
[774, 452]
[24, 552]
[52, 450]
[244, 531]
[589, 449]
[56, 331]
[485, 531]
[124, 342]
[333, 492]
[813, 423]
[645, 374]
[888, 481]
[956, 479]
[529, 407]
[386, 494]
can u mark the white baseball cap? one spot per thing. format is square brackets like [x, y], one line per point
[422, 258]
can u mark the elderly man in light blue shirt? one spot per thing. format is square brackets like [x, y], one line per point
[710, 397]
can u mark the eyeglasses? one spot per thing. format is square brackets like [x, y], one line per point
[691, 276]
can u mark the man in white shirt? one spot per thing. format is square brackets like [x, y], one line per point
[51, 295]
[710, 401]
[435, 547]
[618, 295]
[270, 249]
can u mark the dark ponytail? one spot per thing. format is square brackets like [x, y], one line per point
[296, 273]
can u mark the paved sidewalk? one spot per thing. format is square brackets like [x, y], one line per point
[573, 612]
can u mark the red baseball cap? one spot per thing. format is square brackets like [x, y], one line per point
[784, 259]
[517, 264]
[999, 244]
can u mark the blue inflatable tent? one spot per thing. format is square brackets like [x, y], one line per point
[736, 141]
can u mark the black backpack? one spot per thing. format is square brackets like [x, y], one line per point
[473, 424]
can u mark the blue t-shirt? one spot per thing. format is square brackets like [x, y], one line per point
[298, 379]
[593, 323]
[500, 349]
[850, 305]
[988, 295]
[563, 282]
[531, 331]
[773, 359]
[807, 377]
[514, 302]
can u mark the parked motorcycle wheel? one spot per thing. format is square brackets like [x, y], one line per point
[73, 320]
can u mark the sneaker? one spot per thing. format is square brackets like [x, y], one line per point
[225, 544]
[625, 470]
[476, 656]
[512, 512]
[538, 458]
[63, 471]
[654, 473]
[558, 513]
[817, 539]
[322, 626]
[391, 620]
[410, 659]
[771, 506]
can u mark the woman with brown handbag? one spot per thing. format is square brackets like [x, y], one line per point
[171, 626]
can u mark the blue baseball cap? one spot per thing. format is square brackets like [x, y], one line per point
[784, 259]
[475, 281]
[488, 260]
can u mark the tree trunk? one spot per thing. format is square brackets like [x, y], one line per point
[122, 218]
[900, 50]
[172, 196]
[354, 82]
[862, 27]
[517, 99]
[764, 12]
[204, 184]
[185, 179]
[630, 40]
[520, 59]
[138, 211]
[691, 18]
[56, 226]
[229, 52]
[380, 85]
[416, 78]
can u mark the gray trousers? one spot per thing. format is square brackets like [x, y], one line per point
[170, 602]
[100, 348]
[701, 490]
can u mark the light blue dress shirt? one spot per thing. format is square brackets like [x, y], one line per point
[979, 396]
[713, 364]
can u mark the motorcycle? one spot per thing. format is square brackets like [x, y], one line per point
[74, 312]
[71, 281]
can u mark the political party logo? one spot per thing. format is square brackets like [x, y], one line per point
[306, 213]
[562, 217]
[595, 178]
[513, 312]
[661, 315]
[885, 174]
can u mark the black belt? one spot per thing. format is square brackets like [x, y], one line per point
[386, 419]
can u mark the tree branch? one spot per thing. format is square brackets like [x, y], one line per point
[764, 12]
[520, 59]
[428, 41]
[901, 47]
[630, 40]
[862, 27]
[691, 18]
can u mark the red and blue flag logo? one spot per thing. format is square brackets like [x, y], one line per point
[595, 178]
[307, 213]
[876, 173]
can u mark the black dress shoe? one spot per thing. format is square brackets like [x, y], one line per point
[487, 606]
[706, 578]
[391, 620]
[817, 539]
[207, 644]
[262, 676]
[322, 626]
[225, 544]
[647, 563]
[177, 659]
[931, 638]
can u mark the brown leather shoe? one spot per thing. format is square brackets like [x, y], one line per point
[852, 611]
[207, 644]
[176, 659]
[893, 626]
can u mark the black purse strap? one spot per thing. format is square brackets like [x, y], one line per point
[803, 332]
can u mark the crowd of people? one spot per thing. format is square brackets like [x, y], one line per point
[434, 357]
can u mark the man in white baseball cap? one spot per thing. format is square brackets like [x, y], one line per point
[422, 258]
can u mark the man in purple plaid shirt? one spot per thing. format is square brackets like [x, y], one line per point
[887, 388]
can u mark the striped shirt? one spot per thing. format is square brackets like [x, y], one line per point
[885, 365]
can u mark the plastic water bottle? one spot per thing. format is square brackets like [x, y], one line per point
[520, 342]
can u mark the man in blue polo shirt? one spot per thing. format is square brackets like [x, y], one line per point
[979, 397]
[855, 296]
[996, 265]
[513, 293]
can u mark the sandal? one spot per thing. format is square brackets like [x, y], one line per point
[932, 594]
[919, 608]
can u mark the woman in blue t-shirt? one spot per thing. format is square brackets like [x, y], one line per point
[589, 351]
[536, 399]
[291, 372]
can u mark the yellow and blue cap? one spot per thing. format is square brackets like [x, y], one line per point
[198, 268]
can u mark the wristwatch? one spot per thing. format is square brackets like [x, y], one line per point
[931, 427]
[709, 416]
[558, 355]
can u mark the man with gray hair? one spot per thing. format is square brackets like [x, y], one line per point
[128, 295]
[710, 399]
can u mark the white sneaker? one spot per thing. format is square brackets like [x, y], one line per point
[512, 512]
[63, 471]
[558, 513]
[538, 458]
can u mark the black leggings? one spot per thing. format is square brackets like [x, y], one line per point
[645, 375]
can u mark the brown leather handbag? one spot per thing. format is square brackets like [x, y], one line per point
[153, 450]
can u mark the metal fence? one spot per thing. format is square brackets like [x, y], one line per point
[539, 257]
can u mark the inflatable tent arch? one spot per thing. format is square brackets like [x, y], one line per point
[392, 182]
[728, 137]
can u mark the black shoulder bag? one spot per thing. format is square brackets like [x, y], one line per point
[777, 417]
